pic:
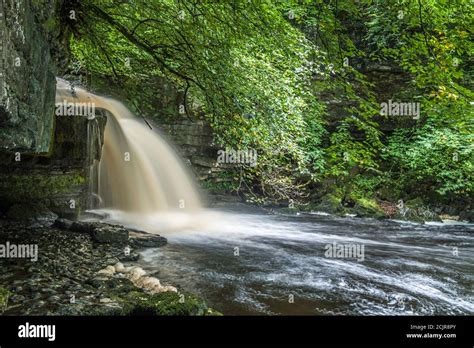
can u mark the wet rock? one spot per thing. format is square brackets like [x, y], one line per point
[102, 232]
[54, 299]
[105, 300]
[39, 304]
[63, 224]
[107, 271]
[97, 282]
[146, 240]
[17, 298]
[132, 257]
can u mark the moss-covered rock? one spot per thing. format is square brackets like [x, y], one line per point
[161, 304]
[330, 203]
[52, 190]
[365, 207]
[27, 187]
[4, 295]
[166, 303]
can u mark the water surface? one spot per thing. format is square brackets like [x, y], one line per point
[280, 266]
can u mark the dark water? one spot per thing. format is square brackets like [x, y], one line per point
[281, 267]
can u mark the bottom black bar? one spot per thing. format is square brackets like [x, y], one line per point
[134, 331]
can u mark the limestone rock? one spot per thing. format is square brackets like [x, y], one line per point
[102, 232]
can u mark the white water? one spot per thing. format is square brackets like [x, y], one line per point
[142, 182]
[408, 268]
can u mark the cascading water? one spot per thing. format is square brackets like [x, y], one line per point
[408, 268]
[139, 174]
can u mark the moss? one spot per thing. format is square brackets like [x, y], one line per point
[365, 207]
[330, 203]
[4, 295]
[162, 304]
[25, 187]
[166, 303]
[213, 313]
[414, 203]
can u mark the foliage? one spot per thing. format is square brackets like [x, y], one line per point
[434, 159]
[290, 80]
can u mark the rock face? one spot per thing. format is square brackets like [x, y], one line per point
[61, 181]
[45, 161]
[194, 140]
[27, 79]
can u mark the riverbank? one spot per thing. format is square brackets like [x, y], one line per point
[70, 272]
[412, 210]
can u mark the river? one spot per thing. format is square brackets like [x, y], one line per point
[260, 264]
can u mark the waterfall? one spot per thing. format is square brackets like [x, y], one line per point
[139, 174]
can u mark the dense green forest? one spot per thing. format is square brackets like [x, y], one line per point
[290, 79]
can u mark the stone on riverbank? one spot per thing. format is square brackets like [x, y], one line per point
[467, 215]
[34, 214]
[331, 204]
[102, 232]
[367, 208]
[140, 239]
[64, 280]
[415, 210]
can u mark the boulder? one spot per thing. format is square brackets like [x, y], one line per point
[330, 204]
[63, 224]
[146, 240]
[368, 208]
[102, 232]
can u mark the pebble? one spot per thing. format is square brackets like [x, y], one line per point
[69, 264]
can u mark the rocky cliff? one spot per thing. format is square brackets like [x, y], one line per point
[27, 75]
[46, 161]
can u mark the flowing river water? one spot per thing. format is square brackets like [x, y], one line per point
[245, 262]
[280, 266]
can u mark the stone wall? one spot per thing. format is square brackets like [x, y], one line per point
[193, 139]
